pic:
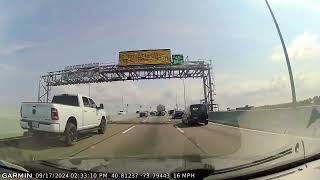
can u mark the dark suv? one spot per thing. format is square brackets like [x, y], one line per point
[177, 115]
[195, 113]
[144, 114]
[170, 112]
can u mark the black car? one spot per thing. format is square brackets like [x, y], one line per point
[144, 114]
[170, 112]
[196, 113]
[177, 115]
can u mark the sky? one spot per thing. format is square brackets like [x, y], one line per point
[238, 36]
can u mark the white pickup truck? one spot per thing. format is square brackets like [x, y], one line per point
[66, 115]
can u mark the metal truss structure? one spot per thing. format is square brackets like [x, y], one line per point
[110, 73]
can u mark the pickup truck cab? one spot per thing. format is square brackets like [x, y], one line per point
[66, 115]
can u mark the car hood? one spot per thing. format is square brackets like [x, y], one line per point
[170, 164]
[254, 155]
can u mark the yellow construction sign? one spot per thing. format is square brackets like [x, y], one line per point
[145, 57]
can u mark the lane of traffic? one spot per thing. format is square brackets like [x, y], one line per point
[214, 141]
[156, 119]
[159, 137]
[146, 120]
[150, 140]
[52, 148]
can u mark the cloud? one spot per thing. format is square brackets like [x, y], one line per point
[239, 92]
[286, 2]
[234, 91]
[312, 6]
[4, 68]
[306, 4]
[307, 84]
[305, 47]
[15, 48]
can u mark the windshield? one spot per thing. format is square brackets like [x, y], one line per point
[66, 100]
[177, 85]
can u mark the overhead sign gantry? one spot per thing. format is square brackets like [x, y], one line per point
[100, 73]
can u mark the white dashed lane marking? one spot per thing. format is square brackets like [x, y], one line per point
[180, 130]
[128, 130]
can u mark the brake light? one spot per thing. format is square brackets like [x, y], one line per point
[54, 114]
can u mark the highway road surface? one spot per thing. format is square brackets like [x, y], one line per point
[151, 136]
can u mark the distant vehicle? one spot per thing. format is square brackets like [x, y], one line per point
[122, 113]
[170, 112]
[196, 113]
[152, 113]
[66, 115]
[177, 115]
[137, 112]
[144, 114]
[160, 109]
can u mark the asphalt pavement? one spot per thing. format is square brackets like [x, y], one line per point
[150, 136]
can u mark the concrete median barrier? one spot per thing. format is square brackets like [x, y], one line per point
[230, 118]
[300, 121]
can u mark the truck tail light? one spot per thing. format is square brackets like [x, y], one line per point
[54, 114]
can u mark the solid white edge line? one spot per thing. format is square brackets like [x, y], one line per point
[180, 130]
[128, 130]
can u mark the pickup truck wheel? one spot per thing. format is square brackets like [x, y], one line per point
[102, 126]
[71, 134]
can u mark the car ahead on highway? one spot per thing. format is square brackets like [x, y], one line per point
[195, 113]
[177, 114]
[143, 114]
[122, 112]
[152, 113]
[66, 115]
[170, 112]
